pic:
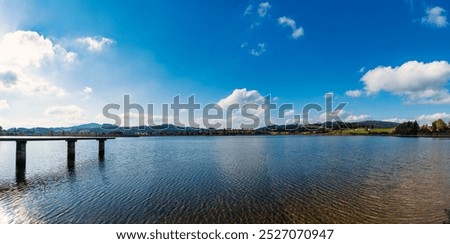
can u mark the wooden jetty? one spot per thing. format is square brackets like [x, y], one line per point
[21, 152]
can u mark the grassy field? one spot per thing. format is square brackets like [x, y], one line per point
[362, 131]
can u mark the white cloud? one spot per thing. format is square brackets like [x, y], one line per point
[95, 43]
[259, 51]
[25, 48]
[53, 116]
[248, 10]
[70, 57]
[16, 79]
[423, 83]
[66, 115]
[63, 55]
[22, 55]
[244, 44]
[87, 90]
[263, 8]
[429, 118]
[396, 120]
[355, 118]
[353, 93]
[4, 104]
[344, 115]
[435, 17]
[134, 119]
[62, 110]
[242, 97]
[423, 119]
[296, 32]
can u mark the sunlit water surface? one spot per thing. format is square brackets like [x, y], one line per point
[273, 179]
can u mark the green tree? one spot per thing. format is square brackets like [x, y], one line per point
[439, 126]
[408, 128]
[424, 129]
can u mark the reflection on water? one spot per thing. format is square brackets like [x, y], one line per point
[20, 177]
[285, 179]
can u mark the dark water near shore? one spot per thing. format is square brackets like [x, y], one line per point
[275, 179]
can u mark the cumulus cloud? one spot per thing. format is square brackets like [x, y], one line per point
[418, 82]
[27, 84]
[258, 51]
[3, 104]
[296, 32]
[429, 118]
[70, 114]
[345, 116]
[25, 48]
[263, 9]
[396, 120]
[70, 57]
[22, 54]
[355, 118]
[353, 93]
[242, 97]
[95, 43]
[435, 17]
[423, 119]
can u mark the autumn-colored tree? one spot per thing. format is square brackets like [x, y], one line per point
[439, 126]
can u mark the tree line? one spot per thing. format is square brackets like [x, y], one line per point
[438, 127]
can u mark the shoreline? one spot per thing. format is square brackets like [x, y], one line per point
[216, 135]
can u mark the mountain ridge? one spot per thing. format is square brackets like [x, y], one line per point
[96, 128]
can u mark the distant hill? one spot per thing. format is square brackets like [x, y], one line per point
[169, 129]
[375, 124]
[95, 128]
[335, 125]
[91, 127]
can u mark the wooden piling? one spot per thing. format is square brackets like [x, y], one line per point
[101, 149]
[71, 153]
[21, 155]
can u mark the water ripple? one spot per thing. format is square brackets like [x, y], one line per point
[285, 179]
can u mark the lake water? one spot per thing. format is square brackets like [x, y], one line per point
[260, 179]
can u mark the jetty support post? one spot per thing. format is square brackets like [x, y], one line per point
[101, 149]
[71, 153]
[21, 155]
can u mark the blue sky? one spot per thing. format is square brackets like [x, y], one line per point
[387, 59]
